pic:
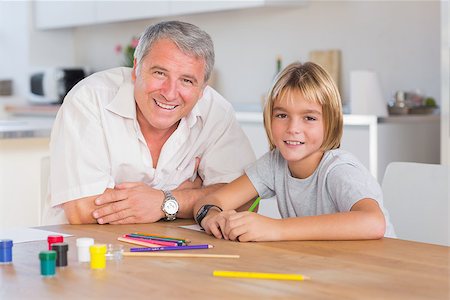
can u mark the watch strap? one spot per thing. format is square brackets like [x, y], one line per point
[203, 211]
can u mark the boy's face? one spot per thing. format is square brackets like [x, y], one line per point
[298, 133]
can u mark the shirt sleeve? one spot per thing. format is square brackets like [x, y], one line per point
[261, 174]
[79, 158]
[228, 154]
[349, 183]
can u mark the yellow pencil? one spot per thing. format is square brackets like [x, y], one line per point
[159, 254]
[275, 276]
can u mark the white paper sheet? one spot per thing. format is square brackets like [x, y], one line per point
[22, 235]
[195, 227]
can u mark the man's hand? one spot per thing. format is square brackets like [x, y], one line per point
[129, 203]
[134, 202]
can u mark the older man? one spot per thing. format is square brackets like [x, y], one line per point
[143, 144]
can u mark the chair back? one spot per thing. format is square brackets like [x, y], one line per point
[45, 174]
[416, 196]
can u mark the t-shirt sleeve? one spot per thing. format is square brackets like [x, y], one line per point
[79, 158]
[349, 183]
[226, 157]
[261, 174]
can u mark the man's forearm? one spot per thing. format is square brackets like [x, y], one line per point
[187, 198]
[80, 211]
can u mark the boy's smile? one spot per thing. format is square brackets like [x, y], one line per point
[298, 133]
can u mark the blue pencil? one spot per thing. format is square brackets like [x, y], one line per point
[205, 246]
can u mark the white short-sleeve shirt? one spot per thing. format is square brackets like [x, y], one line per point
[96, 143]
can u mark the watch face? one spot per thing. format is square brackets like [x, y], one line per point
[171, 206]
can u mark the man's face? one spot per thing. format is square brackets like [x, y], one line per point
[168, 85]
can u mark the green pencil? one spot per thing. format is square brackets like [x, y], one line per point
[255, 204]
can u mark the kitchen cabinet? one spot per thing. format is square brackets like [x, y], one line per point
[24, 141]
[116, 11]
[65, 14]
[20, 181]
[61, 14]
[192, 7]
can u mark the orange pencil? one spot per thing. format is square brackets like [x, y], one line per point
[131, 241]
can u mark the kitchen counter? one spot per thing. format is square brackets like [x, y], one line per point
[255, 116]
[30, 127]
[25, 127]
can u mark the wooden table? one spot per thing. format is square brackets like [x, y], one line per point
[381, 269]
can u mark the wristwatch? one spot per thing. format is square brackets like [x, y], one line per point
[203, 211]
[170, 206]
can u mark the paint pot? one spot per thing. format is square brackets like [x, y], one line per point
[61, 253]
[51, 239]
[98, 258]
[6, 252]
[83, 245]
[48, 263]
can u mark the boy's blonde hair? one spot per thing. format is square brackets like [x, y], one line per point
[315, 85]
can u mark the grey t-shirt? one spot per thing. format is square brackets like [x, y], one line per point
[336, 185]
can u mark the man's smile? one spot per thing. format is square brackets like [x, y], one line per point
[165, 106]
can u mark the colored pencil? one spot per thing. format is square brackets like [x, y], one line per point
[179, 242]
[161, 236]
[190, 247]
[149, 240]
[131, 241]
[167, 254]
[276, 276]
[252, 208]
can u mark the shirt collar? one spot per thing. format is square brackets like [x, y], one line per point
[191, 118]
[123, 103]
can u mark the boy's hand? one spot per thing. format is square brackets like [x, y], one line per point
[249, 226]
[215, 221]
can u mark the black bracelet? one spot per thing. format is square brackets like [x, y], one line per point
[203, 211]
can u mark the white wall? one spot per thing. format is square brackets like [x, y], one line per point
[400, 40]
[22, 48]
[14, 20]
[445, 81]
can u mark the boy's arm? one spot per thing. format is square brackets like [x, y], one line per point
[364, 221]
[233, 195]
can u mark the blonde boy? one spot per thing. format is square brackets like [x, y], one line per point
[323, 193]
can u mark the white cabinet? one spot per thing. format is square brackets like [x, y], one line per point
[114, 11]
[190, 7]
[378, 141]
[60, 14]
[20, 181]
[63, 14]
